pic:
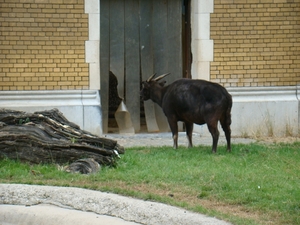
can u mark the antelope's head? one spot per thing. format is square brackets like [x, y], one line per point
[151, 86]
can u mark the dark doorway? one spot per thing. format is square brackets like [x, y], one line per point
[186, 39]
[139, 38]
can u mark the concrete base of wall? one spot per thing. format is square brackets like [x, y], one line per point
[79, 106]
[263, 111]
[256, 111]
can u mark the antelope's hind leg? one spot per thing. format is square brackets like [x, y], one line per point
[213, 129]
[174, 128]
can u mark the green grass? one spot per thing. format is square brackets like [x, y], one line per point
[255, 184]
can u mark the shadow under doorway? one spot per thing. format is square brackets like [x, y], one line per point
[114, 103]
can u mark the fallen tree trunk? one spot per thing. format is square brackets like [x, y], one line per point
[48, 137]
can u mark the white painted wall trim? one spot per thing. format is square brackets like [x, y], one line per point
[201, 44]
[246, 94]
[92, 50]
[78, 106]
[256, 111]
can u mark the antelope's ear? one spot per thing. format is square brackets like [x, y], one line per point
[145, 84]
[162, 83]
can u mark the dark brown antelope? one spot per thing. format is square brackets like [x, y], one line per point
[191, 101]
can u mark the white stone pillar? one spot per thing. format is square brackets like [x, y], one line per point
[202, 46]
[92, 50]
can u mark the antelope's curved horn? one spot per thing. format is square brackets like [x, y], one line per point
[161, 77]
[151, 77]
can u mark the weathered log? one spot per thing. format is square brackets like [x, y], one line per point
[48, 137]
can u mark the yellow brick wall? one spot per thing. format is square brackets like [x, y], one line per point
[42, 45]
[256, 42]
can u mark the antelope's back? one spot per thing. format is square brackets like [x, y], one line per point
[195, 96]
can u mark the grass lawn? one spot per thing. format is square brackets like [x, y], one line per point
[255, 184]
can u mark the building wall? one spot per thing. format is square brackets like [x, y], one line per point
[256, 43]
[43, 45]
[252, 48]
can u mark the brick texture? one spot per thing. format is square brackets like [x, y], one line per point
[42, 45]
[256, 43]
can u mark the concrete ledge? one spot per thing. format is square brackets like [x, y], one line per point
[246, 94]
[128, 209]
[257, 111]
[264, 111]
[46, 214]
[271, 111]
[79, 106]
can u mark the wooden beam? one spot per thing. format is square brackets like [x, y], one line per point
[104, 61]
[132, 62]
[146, 52]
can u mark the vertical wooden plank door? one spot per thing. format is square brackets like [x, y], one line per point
[116, 42]
[132, 61]
[146, 55]
[139, 38]
[104, 62]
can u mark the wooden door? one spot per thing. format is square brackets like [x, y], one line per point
[139, 38]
